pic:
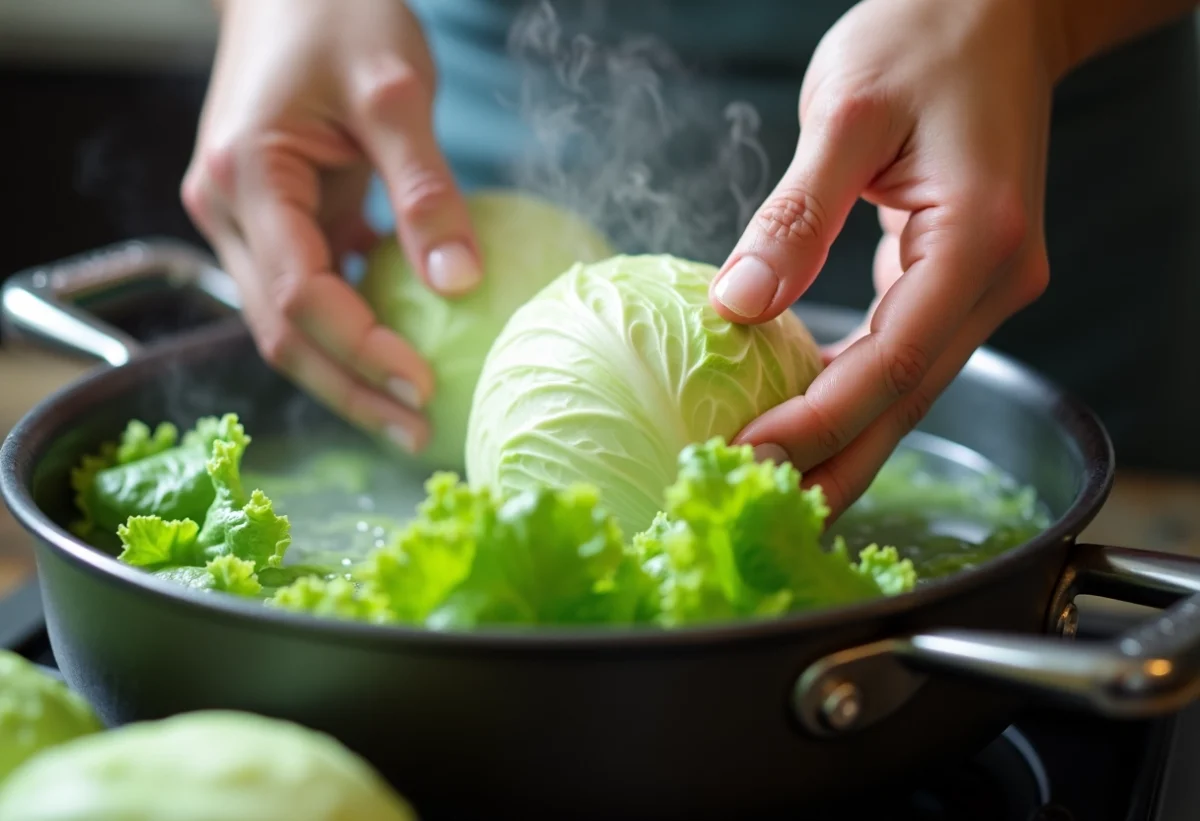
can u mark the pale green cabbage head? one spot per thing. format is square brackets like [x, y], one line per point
[615, 367]
[36, 712]
[525, 243]
[199, 767]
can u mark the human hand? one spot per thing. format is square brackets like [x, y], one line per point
[937, 112]
[305, 99]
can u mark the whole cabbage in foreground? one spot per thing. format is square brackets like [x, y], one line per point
[610, 371]
[199, 767]
[36, 712]
[525, 243]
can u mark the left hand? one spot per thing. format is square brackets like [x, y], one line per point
[937, 112]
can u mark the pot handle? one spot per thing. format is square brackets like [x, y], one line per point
[1150, 670]
[49, 302]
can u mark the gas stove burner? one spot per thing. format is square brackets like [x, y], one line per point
[1005, 781]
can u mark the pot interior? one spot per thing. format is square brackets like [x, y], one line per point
[997, 426]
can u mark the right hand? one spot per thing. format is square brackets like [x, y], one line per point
[305, 99]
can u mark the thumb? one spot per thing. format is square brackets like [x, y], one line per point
[843, 146]
[432, 221]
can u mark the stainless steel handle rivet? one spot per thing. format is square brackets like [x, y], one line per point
[842, 706]
[1068, 621]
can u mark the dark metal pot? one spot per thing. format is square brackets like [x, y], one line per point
[717, 722]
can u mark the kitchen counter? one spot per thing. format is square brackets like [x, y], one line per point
[1146, 511]
[26, 376]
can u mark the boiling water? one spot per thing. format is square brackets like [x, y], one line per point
[941, 505]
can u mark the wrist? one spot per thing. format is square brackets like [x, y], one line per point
[1056, 35]
[1078, 30]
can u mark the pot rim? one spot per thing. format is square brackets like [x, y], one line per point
[31, 437]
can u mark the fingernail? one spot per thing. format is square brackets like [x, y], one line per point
[405, 391]
[748, 287]
[452, 269]
[770, 452]
[401, 438]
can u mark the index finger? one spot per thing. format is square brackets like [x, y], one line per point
[843, 145]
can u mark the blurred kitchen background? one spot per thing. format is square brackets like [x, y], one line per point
[99, 101]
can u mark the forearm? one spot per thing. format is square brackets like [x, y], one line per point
[1085, 28]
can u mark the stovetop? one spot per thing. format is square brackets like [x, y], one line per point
[1050, 765]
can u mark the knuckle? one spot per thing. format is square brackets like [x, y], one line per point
[914, 410]
[855, 109]
[218, 164]
[1033, 281]
[793, 218]
[389, 87]
[275, 346]
[212, 170]
[1008, 224]
[194, 197]
[420, 193]
[829, 437]
[290, 295]
[904, 366]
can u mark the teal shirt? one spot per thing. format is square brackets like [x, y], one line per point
[1119, 324]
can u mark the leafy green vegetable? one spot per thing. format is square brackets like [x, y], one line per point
[543, 557]
[611, 370]
[155, 478]
[416, 572]
[233, 575]
[740, 538]
[36, 713]
[524, 242]
[469, 558]
[228, 495]
[255, 533]
[201, 766]
[83, 477]
[139, 442]
[152, 542]
[224, 574]
[333, 598]
[736, 539]
[233, 524]
[136, 442]
[883, 565]
[229, 543]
